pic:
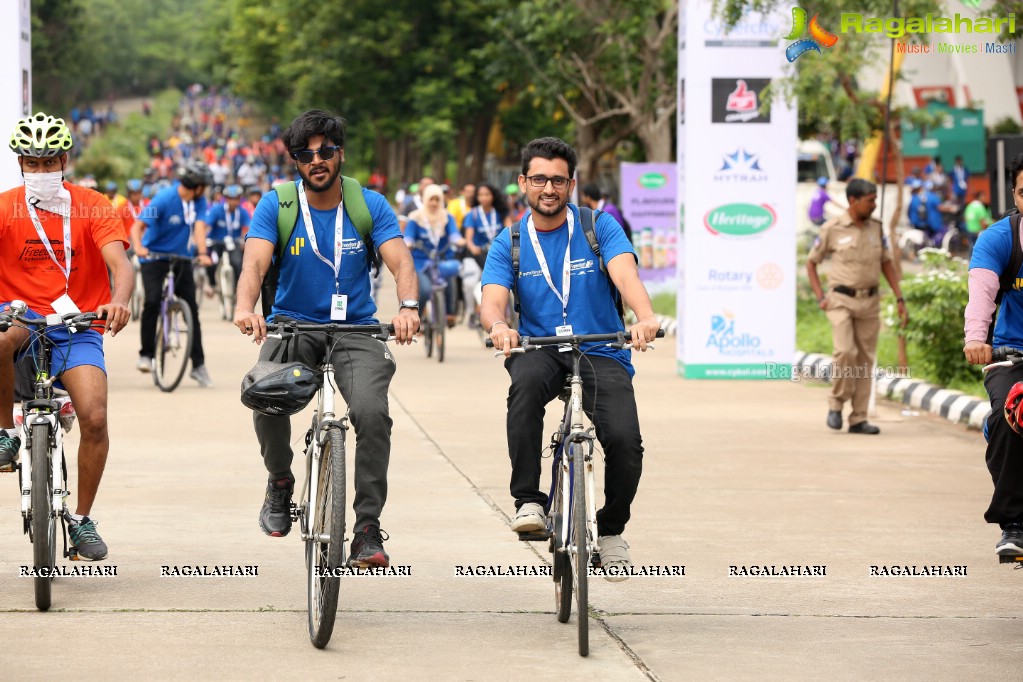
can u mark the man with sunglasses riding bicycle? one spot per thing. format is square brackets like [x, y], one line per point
[580, 301]
[321, 283]
[38, 222]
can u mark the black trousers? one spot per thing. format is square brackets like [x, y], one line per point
[1004, 450]
[537, 378]
[153, 274]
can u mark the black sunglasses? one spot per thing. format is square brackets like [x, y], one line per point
[306, 156]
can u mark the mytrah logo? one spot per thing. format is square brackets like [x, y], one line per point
[740, 166]
[818, 36]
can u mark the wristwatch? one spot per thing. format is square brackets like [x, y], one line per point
[409, 303]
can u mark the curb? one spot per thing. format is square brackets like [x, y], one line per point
[956, 406]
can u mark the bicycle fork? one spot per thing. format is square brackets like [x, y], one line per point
[584, 439]
[55, 445]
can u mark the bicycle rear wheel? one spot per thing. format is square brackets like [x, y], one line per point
[426, 327]
[173, 346]
[440, 322]
[326, 541]
[201, 282]
[580, 556]
[138, 297]
[44, 525]
[225, 285]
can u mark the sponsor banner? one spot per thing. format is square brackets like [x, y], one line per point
[649, 202]
[15, 77]
[737, 271]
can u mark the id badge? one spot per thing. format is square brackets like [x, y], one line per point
[65, 306]
[339, 307]
[563, 330]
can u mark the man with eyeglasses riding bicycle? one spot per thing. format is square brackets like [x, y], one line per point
[38, 222]
[321, 283]
[579, 301]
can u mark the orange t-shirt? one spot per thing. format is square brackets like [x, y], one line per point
[26, 270]
[128, 214]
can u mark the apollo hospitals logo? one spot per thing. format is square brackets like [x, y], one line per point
[819, 37]
[729, 342]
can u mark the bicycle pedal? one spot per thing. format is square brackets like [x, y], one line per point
[9, 468]
[1011, 559]
[534, 535]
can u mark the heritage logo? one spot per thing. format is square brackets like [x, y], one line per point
[652, 180]
[739, 220]
[737, 100]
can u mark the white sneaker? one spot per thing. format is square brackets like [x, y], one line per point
[529, 518]
[614, 558]
[144, 365]
[202, 376]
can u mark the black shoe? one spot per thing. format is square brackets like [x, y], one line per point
[1011, 543]
[89, 546]
[10, 444]
[368, 549]
[835, 419]
[864, 427]
[275, 516]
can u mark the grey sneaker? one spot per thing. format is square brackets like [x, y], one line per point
[145, 364]
[10, 444]
[614, 558]
[202, 376]
[529, 518]
[84, 538]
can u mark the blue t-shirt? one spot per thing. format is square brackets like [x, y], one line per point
[591, 306]
[307, 283]
[992, 252]
[935, 218]
[166, 228]
[475, 220]
[917, 211]
[216, 218]
[421, 243]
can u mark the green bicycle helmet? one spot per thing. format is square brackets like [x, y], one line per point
[41, 136]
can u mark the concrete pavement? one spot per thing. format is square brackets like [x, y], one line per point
[737, 474]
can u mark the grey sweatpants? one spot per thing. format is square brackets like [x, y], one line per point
[363, 368]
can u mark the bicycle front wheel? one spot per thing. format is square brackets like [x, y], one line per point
[426, 327]
[581, 558]
[440, 321]
[225, 285]
[326, 541]
[173, 346]
[44, 525]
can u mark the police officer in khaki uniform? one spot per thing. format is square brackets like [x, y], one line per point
[859, 254]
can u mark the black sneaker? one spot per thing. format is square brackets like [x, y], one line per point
[84, 538]
[1011, 543]
[10, 444]
[275, 516]
[368, 549]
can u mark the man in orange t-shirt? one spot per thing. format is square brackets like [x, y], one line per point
[37, 221]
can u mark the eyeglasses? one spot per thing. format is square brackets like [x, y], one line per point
[306, 156]
[558, 181]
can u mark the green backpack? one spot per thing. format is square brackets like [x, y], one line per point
[287, 217]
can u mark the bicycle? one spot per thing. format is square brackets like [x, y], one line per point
[320, 512]
[138, 295]
[433, 319]
[571, 509]
[174, 330]
[42, 468]
[1005, 357]
[224, 277]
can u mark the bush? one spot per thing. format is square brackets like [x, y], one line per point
[936, 299]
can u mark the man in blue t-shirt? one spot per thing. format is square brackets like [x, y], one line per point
[991, 257]
[586, 306]
[319, 285]
[228, 222]
[173, 221]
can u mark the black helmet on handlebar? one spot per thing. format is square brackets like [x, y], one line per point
[195, 173]
[279, 390]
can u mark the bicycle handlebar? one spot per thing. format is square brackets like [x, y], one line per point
[172, 257]
[383, 332]
[1005, 353]
[534, 342]
[77, 321]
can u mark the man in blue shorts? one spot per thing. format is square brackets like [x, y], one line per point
[581, 301]
[38, 223]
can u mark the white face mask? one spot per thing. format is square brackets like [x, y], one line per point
[44, 187]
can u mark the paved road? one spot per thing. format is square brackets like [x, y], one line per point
[736, 473]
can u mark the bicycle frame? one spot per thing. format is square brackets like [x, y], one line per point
[324, 417]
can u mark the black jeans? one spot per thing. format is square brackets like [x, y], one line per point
[537, 378]
[153, 274]
[1004, 450]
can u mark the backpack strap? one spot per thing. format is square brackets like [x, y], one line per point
[358, 213]
[287, 214]
[514, 232]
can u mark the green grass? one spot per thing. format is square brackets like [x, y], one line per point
[813, 335]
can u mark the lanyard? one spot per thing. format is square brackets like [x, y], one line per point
[311, 232]
[489, 227]
[66, 270]
[188, 208]
[566, 273]
[232, 225]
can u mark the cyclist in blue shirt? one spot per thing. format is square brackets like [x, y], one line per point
[580, 301]
[319, 285]
[228, 223]
[172, 221]
[487, 217]
[431, 231]
[990, 258]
